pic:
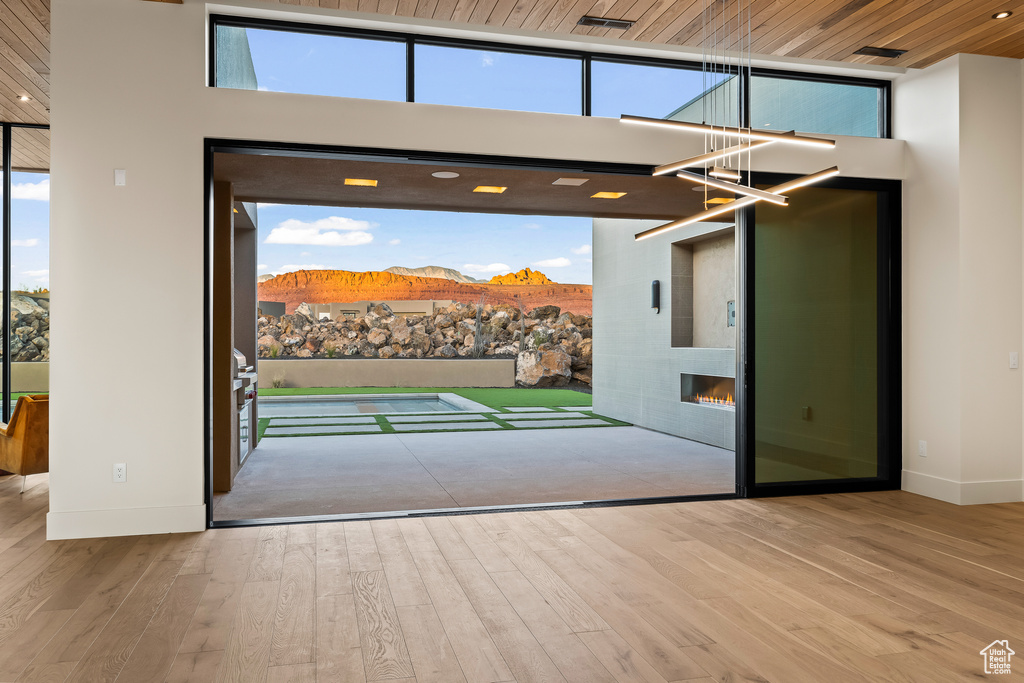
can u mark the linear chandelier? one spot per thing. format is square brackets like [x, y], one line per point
[725, 144]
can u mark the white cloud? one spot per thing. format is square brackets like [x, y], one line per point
[39, 191]
[532, 226]
[326, 232]
[262, 266]
[560, 262]
[265, 205]
[25, 243]
[486, 61]
[395, 242]
[39, 275]
[585, 249]
[489, 268]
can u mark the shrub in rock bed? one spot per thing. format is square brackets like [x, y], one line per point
[556, 348]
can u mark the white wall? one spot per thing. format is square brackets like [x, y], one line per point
[129, 92]
[962, 285]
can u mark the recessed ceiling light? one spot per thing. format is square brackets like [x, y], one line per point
[608, 195]
[880, 52]
[361, 182]
[493, 189]
[445, 174]
[1002, 15]
[575, 182]
[602, 22]
[24, 98]
[721, 200]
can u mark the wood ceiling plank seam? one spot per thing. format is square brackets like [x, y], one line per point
[537, 14]
[500, 13]
[330, 4]
[41, 10]
[463, 10]
[686, 18]
[917, 26]
[310, 3]
[10, 90]
[368, 6]
[425, 8]
[839, 31]
[1004, 48]
[387, 7]
[30, 21]
[939, 38]
[27, 85]
[654, 21]
[693, 32]
[618, 10]
[444, 10]
[981, 46]
[520, 12]
[12, 39]
[630, 10]
[482, 11]
[41, 81]
[863, 32]
[348, 5]
[24, 139]
[790, 22]
[572, 15]
[405, 8]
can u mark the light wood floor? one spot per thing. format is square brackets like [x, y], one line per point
[858, 587]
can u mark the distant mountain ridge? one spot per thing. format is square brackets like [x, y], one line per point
[433, 271]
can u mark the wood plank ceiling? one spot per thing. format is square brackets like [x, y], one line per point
[930, 30]
[25, 72]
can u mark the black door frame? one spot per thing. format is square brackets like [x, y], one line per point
[890, 461]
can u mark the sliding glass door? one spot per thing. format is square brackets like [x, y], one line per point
[822, 342]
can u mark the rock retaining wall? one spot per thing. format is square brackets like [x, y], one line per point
[550, 347]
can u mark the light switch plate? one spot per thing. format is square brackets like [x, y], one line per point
[120, 177]
[922, 449]
[1014, 360]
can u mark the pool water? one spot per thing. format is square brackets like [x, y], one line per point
[366, 404]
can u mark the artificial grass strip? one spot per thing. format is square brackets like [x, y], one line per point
[385, 426]
[261, 426]
[491, 397]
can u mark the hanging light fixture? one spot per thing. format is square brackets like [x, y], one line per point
[728, 142]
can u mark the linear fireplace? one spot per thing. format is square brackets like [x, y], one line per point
[708, 390]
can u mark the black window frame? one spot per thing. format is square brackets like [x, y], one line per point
[586, 58]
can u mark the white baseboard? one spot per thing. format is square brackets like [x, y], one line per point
[125, 522]
[964, 492]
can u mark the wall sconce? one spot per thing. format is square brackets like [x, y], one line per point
[656, 295]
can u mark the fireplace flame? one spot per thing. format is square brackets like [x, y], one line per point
[714, 400]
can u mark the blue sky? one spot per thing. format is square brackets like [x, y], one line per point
[479, 245]
[30, 230]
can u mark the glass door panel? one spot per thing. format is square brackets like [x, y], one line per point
[816, 350]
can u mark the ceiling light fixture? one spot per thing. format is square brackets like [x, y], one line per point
[24, 98]
[727, 60]
[734, 187]
[492, 189]
[745, 133]
[608, 195]
[602, 22]
[880, 52]
[1002, 15]
[739, 203]
[361, 182]
[574, 182]
[445, 174]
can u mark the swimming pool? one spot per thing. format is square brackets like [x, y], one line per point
[366, 404]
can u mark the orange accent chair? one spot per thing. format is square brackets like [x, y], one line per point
[25, 440]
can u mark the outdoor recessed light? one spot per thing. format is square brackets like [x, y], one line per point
[880, 52]
[721, 200]
[361, 182]
[24, 98]
[575, 182]
[602, 22]
[608, 195]
[1002, 15]
[493, 189]
[445, 174]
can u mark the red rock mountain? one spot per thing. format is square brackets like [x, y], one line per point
[335, 286]
[523, 277]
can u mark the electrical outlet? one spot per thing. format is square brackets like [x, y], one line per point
[120, 473]
[922, 449]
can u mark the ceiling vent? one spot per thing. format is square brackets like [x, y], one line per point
[880, 52]
[602, 22]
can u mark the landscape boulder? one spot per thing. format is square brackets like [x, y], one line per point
[537, 368]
